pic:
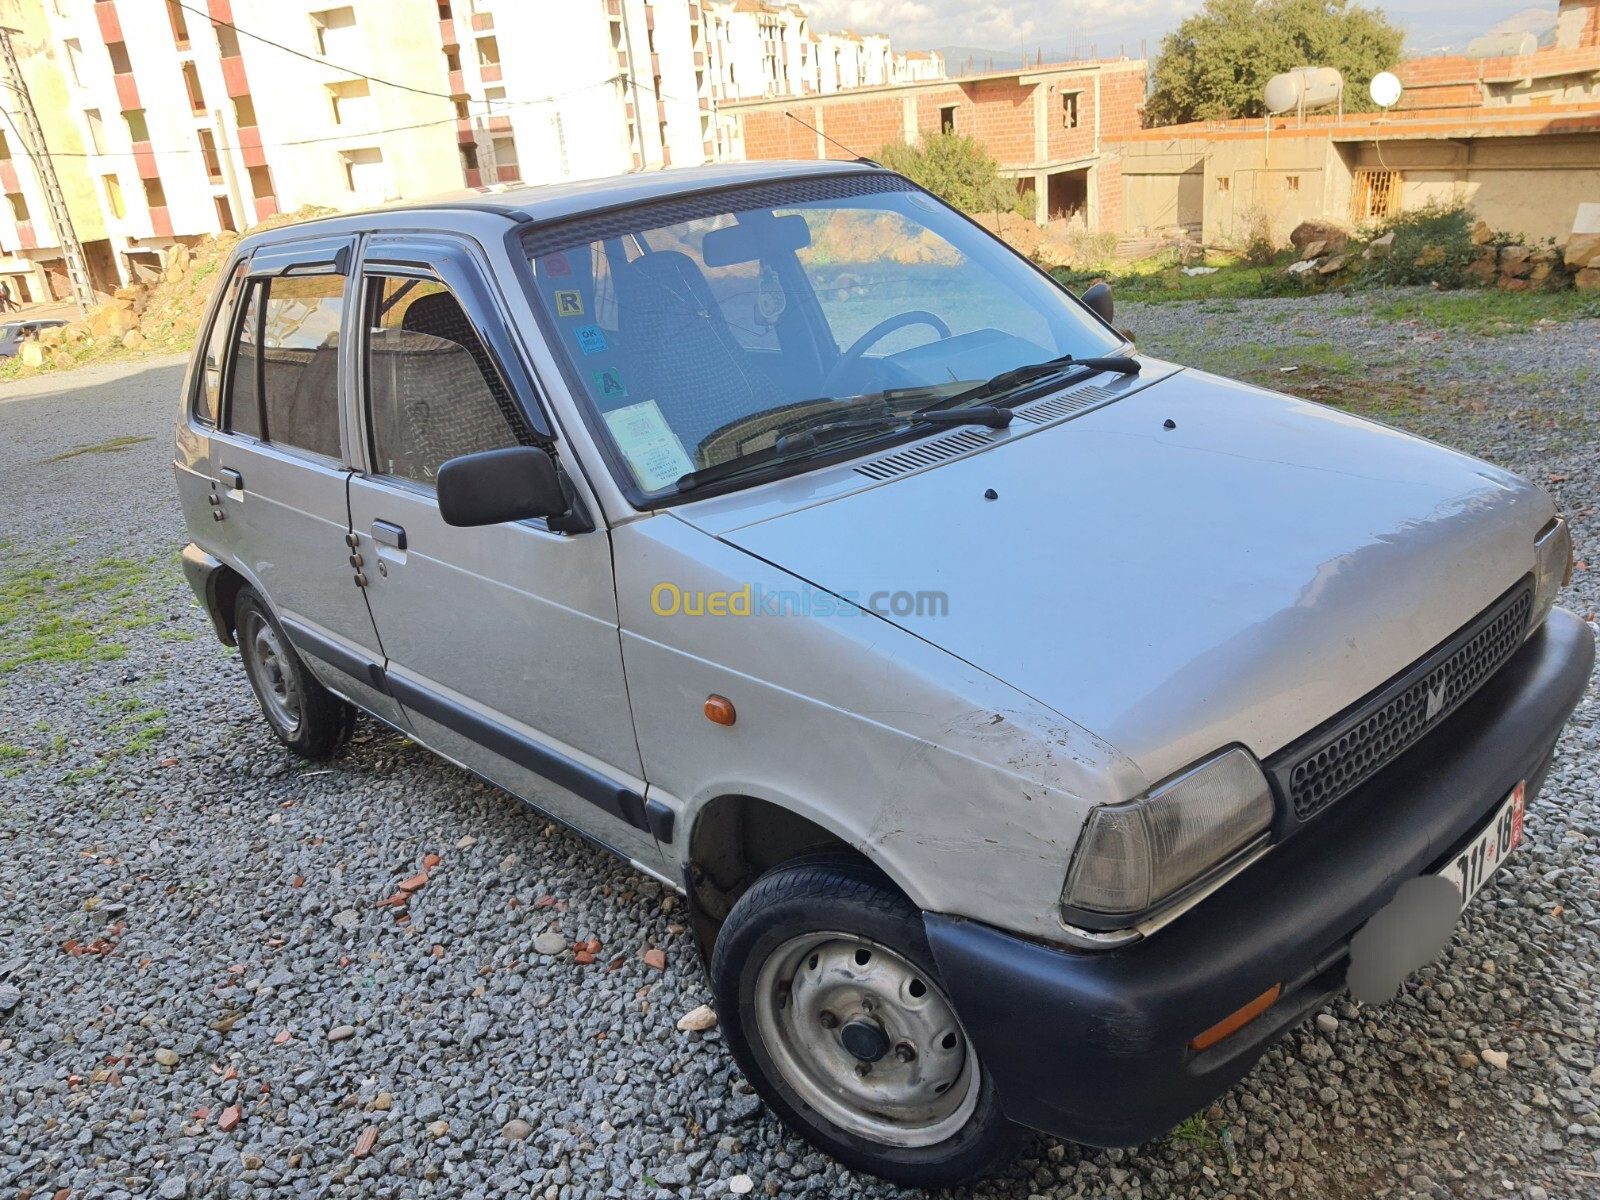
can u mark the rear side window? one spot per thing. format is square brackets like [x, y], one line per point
[208, 399]
[433, 391]
[285, 382]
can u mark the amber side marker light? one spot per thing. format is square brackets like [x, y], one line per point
[1232, 1024]
[720, 710]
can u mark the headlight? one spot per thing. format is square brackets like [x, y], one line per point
[1552, 567]
[1133, 856]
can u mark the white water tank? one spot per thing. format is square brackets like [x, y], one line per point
[1311, 87]
[1502, 45]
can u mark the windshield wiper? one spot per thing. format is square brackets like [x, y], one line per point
[780, 450]
[994, 418]
[1121, 364]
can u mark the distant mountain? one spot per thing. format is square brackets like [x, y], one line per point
[1541, 22]
[971, 60]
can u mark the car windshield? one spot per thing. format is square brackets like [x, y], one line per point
[699, 330]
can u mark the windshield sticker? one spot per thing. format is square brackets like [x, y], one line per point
[648, 443]
[590, 339]
[569, 304]
[556, 266]
[608, 385]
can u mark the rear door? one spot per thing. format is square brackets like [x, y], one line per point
[502, 641]
[280, 459]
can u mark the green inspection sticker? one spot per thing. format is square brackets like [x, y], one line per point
[608, 385]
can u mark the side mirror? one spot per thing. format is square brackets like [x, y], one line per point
[1099, 300]
[500, 485]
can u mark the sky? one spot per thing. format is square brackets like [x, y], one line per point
[1005, 25]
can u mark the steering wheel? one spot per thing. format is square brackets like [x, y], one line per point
[847, 361]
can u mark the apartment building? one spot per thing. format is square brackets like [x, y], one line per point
[1048, 127]
[171, 119]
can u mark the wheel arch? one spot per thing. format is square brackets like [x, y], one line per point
[736, 838]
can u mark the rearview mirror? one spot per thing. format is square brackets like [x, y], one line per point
[515, 484]
[1099, 300]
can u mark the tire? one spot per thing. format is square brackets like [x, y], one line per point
[305, 716]
[803, 1011]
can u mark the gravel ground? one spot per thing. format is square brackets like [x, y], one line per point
[201, 995]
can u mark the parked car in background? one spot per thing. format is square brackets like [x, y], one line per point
[1037, 730]
[14, 333]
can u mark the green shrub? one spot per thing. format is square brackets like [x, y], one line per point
[959, 170]
[1432, 245]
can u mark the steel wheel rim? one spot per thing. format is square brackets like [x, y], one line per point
[270, 669]
[829, 1004]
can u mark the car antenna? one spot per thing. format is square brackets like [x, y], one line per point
[860, 158]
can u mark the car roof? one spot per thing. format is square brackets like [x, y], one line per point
[569, 198]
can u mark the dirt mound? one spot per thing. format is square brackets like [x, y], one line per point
[159, 313]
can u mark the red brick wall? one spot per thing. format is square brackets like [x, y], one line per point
[1109, 170]
[998, 112]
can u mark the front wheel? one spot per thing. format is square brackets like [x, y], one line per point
[832, 1004]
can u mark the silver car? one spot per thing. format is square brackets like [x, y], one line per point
[1037, 730]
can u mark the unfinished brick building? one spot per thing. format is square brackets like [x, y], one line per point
[1046, 125]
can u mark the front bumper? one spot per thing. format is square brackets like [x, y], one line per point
[1094, 1046]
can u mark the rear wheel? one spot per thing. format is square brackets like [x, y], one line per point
[832, 1004]
[307, 718]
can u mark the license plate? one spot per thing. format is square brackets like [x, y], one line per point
[1487, 852]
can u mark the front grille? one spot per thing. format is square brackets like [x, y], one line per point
[1332, 761]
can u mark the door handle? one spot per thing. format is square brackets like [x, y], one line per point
[232, 480]
[387, 533]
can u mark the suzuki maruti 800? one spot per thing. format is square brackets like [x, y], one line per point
[1037, 730]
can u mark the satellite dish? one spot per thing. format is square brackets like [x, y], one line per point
[1386, 89]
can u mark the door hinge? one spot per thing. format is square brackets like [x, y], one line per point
[361, 579]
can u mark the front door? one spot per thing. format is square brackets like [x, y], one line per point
[502, 642]
[280, 461]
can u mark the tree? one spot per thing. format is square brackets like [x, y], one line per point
[957, 169]
[1217, 63]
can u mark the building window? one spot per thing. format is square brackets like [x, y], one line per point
[1292, 182]
[19, 207]
[5, 148]
[364, 170]
[154, 194]
[225, 214]
[180, 26]
[444, 10]
[191, 83]
[261, 183]
[113, 187]
[121, 64]
[74, 59]
[452, 59]
[351, 101]
[329, 29]
[462, 111]
[97, 130]
[947, 119]
[208, 153]
[227, 41]
[505, 159]
[1224, 183]
[469, 156]
[244, 112]
[137, 129]
[496, 96]
[1375, 195]
[489, 51]
[1069, 110]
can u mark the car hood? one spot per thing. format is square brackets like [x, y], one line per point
[1198, 564]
